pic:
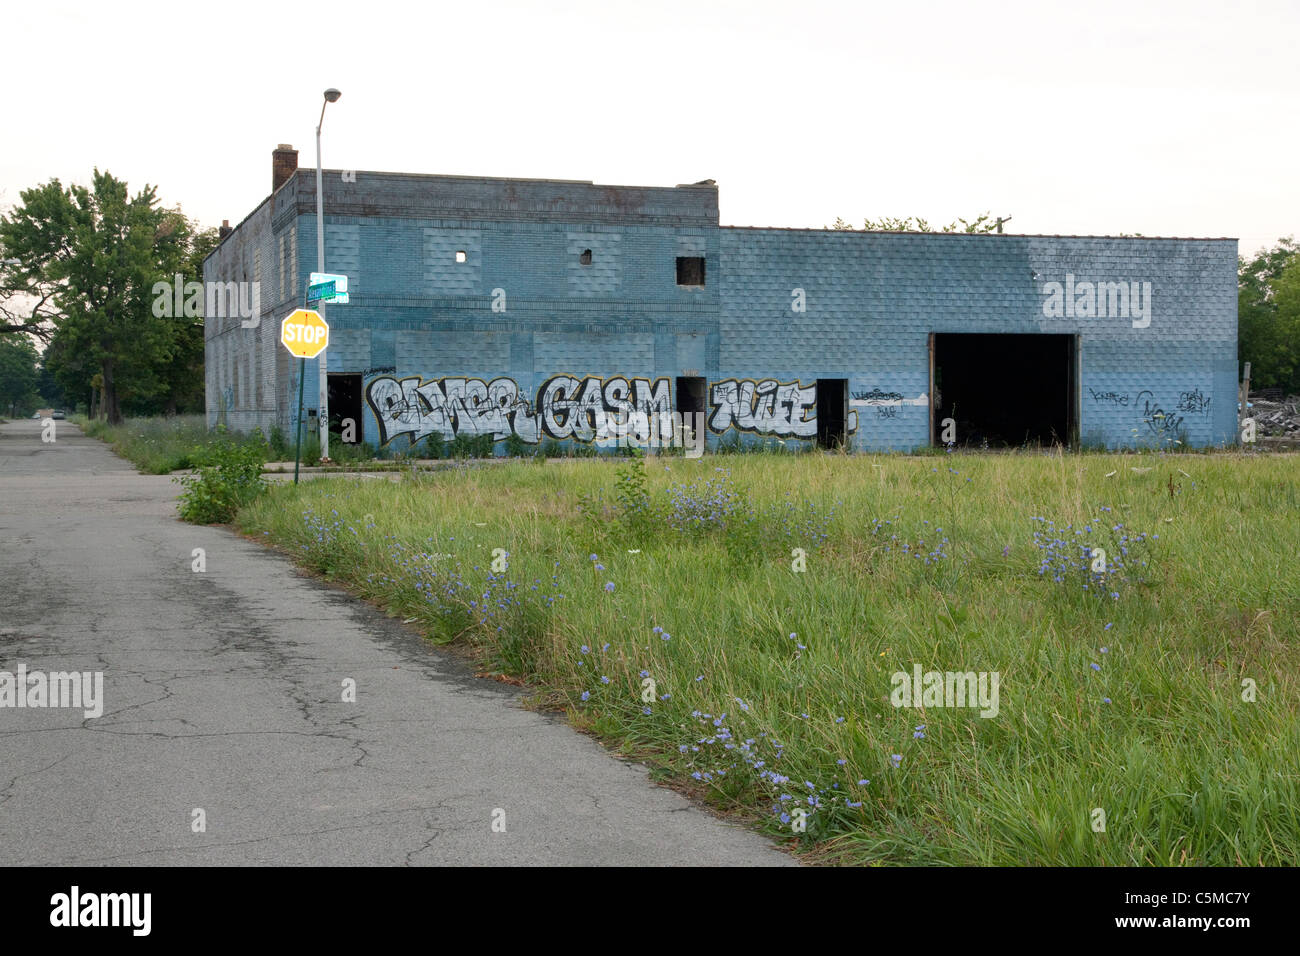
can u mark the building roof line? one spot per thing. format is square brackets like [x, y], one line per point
[311, 170]
[994, 235]
[236, 228]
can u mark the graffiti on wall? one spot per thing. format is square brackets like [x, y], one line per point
[450, 407]
[1109, 398]
[589, 409]
[886, 404]
[767, 407]
[586, 409]
[1157, 420]
[877, 397]
[1194, 402]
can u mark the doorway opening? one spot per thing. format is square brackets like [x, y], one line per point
[832, 412]
[1004, 391]
[345, 406]
[692, 399]
[691, 395]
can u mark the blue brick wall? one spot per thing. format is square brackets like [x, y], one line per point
[872, 299]
[522, 306]
[415, 309]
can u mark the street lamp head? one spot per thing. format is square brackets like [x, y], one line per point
[332, 95]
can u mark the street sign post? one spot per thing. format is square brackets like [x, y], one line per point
[305, 334]
[324, 287]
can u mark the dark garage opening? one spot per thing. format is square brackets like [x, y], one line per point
[1005, 390]
[832, 412]
[345, 402]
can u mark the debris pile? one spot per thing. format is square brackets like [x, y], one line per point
[1275, 418]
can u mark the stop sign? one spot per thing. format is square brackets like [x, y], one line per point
[304, 333]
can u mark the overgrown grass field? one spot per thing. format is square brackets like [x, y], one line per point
[158, 446]
[1161, 691]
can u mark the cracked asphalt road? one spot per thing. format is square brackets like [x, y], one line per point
[223, 693]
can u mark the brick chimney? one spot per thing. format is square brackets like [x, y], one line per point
[225, 229]
[284, 163]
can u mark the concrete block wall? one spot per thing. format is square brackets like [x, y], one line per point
[872, 299]
[492, 331]
[239, 369]
[1179, 374]
[521, 306]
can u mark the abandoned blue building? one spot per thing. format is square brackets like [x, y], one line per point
[548, 309]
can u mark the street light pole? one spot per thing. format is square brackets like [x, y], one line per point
[331, 96]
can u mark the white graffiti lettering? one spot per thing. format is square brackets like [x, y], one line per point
[450, 407]
[592, 409]
[567, 407]
[767, 407]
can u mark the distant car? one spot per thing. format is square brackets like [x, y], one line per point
[37, 416]
[59, 415]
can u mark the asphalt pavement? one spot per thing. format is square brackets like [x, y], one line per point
[224, 738]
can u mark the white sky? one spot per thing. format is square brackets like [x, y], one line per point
[1175, 119]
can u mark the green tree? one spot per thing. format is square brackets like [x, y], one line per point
[1268, 316]
[18, 375]
[981, 223]
[26, 297]
[181, 376]
[96, 253]
[51, 393]
[171, 381]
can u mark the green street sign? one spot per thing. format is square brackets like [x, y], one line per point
[327, 287]
[323, 290]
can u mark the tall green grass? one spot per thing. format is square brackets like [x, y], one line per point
[158, 446]
[1130, 705]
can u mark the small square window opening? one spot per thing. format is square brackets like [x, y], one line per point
[460, 255]
[690, 270]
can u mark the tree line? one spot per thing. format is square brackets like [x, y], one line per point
[78, 268]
